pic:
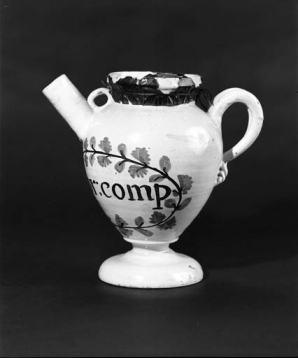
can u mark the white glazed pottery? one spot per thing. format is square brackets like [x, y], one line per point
[152, 158]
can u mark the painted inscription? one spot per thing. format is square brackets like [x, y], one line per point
[134, 192]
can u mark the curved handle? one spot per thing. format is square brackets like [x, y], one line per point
[255, 117]
[96, 93]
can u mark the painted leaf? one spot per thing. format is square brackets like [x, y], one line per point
[105, 145]
[85, 144]
[165, 164]
[168, 224]
[137, 171]
[120, 166]
[142, 155]
[91, 159]
[86, 160]
[139, 221]
[103, 160]
[185, 183]
[156, 178]
[175, 192]
[125, 232]
[156, 217]
[145, 232]
[122, 149]
[92, 141]
[119, 221]
[170, 203]
[184, 203]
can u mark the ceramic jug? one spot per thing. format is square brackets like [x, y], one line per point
[153, 154]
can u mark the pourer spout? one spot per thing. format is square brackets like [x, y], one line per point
[70, 103]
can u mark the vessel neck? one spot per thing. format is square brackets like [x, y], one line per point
[150, 245]
[158, 89]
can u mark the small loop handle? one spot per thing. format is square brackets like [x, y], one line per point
[96, 93]
[255, 118]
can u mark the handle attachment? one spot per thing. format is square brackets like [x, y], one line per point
[255, 118]
[96, 93]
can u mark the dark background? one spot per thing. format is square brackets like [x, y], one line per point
[54, 235]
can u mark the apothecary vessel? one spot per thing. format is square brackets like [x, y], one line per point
[153, 154]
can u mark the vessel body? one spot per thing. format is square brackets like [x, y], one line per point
[152, 169]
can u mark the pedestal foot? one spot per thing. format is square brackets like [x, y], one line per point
[144, 268]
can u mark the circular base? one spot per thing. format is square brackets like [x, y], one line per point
[143, 268]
